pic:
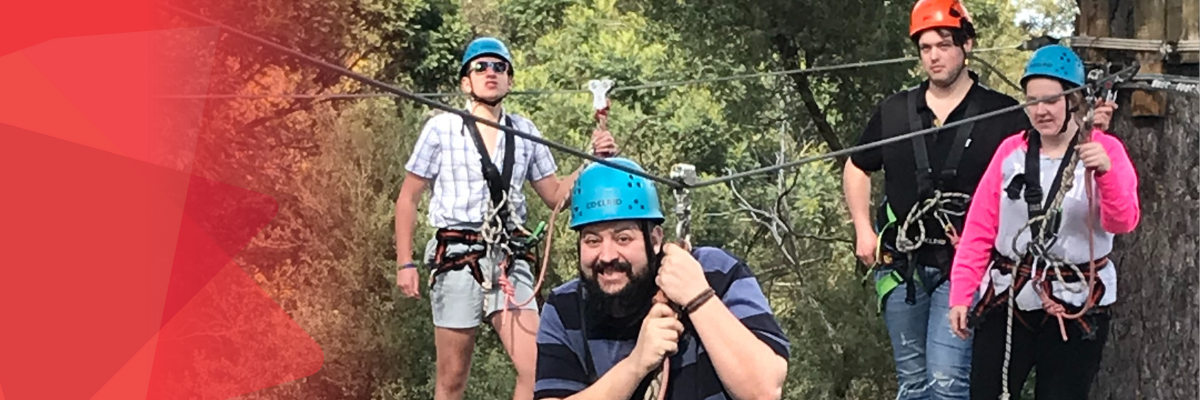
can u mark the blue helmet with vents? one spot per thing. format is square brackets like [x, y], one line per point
[485, 46]
[1055, 61]
[603, 193]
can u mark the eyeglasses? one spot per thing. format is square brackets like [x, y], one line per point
[497, 66]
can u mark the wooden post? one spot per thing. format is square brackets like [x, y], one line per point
[1093, 21]
[1174, 28]
[1148, 19]
[1190, 28]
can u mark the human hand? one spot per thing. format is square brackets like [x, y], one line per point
[658, 339]
[680, 277]
[958, 321]
[407, 280]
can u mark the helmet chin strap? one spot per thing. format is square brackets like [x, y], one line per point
[489, 103]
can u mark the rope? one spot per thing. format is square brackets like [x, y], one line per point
[809, 70]
[505, 284]
[1012, 293]
[917, 215]
[998, 73]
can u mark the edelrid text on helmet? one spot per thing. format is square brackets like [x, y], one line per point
[603, 193]
[1055, 61]
[485, 46]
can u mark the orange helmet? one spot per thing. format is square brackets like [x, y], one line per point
[928, 14]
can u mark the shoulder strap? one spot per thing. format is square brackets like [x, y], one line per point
[920, 151]
[497, 181]
[589, 365]
[1033, 185]
[950, 169]
[509, 151]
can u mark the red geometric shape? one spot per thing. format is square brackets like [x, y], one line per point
[26, 23]
[132, 69]
[231, 339]
[33, 102]
[87, 273]
[133, 379]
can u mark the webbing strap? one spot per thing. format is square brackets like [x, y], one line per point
[498, 181]
[920, 151]
[950, 169]
[1033, 176]
[925, 183]
[588, 363]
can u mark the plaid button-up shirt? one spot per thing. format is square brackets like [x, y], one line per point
[446, 155]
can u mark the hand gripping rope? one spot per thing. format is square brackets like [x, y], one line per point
[686, 174]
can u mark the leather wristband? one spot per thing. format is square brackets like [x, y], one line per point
[699, 300]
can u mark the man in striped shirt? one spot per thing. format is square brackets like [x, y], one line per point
[602, 336]
[467, 286]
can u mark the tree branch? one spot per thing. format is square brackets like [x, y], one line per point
[790, 54]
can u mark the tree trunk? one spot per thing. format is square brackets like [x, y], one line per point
[1155, 330]
[1152, 346]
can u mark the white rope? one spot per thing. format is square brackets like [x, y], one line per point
[1004, 395]
[937, 204]
[495, 234]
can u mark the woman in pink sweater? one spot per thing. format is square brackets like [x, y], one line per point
[1032, 213]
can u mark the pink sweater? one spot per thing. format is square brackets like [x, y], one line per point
[994, 219]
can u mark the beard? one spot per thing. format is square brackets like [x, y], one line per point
[624, 310]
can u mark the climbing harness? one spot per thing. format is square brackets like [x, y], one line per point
[938, 204]
[497, 238]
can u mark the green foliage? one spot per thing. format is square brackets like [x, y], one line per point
[335, 168]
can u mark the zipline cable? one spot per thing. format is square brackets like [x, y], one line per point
[643, 86]
[406, 94]
[670, 183]
[809, 70]
[345, 95]
[906, 136]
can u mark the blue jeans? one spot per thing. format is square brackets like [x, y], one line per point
[931, 362]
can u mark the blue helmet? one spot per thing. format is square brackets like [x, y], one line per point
[1055, 61]
[485, 46]
[604, 193]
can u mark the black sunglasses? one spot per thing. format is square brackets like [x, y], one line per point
[497, 66]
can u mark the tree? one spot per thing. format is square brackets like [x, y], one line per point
[1154, 333]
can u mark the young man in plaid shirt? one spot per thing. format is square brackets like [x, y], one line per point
[467, 284]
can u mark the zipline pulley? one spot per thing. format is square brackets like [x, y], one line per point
[599, 89]
[685, 174]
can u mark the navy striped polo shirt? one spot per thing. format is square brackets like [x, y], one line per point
[560, 364]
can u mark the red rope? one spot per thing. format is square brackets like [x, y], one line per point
[1056, 309]
[506, 285]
